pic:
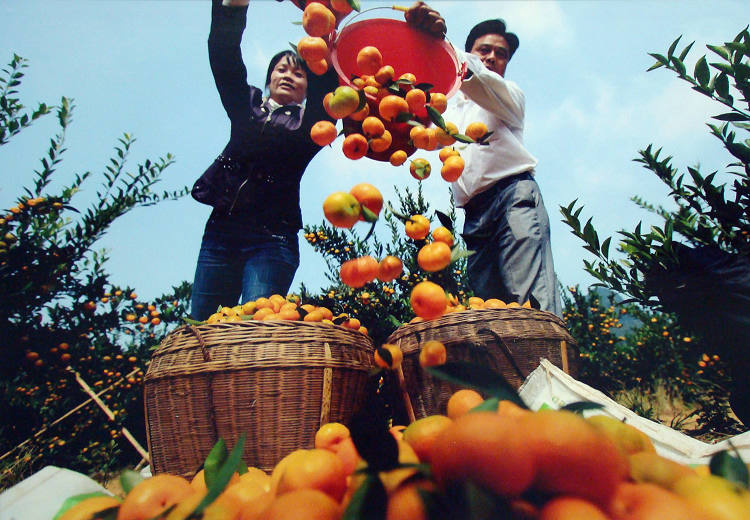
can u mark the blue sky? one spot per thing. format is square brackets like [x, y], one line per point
[141, 66]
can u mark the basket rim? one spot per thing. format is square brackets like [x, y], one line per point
[472, 316]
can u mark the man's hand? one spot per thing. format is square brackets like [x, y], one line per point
[424, 17]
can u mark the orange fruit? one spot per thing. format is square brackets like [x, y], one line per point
[247, 497]
[475, 130]
[646, 466]
[397, 356]
[154, 495]
[341, 6]
[417, 227]
[626, 436]
[323, 133]
[416, 99]
[368, 196]
[428, 300]
[335, 437]
[355, 146]
[391, 106]
[406, 503]
[398, 158]
[420, 169]
[446, 138]
[382, 143]
[314, 316]
[447, 152]
[369, 60]
[438, 101]
[313, 469]
[309, 504]
[409, 79]
[486, 448]
[312, 48]
[462, 401]
[361, 114]
[452, 168]
[434, 256]
[421, 434]
[572, 457]
[318, 20]
[571, 508]
[198, 482]
[358, 271]
[341, 209]
[442, 234]
[647, 501]
[318, 67]
[342, 102]
[432, 353]
[475, 302]
[384, 74]
[389, 268]
[85, 509]
[373, 127]
[494, 303]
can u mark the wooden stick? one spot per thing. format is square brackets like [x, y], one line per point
[109, 413]
[66, 415]
[564, 356]
[405, 394]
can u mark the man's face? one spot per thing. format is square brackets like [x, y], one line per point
[494, 52]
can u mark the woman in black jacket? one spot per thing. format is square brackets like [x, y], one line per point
[250, 246]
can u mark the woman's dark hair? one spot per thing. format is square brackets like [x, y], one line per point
[293, 58]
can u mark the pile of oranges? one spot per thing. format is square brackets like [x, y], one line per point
[277, 307]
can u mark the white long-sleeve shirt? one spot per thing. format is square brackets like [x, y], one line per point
[498, 103]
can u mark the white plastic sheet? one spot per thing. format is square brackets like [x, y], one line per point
[549, 386]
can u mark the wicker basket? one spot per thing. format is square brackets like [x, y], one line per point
[510, 341]
[277, 381]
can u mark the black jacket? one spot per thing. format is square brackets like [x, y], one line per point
[267, 154]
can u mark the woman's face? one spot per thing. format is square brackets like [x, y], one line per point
[288, 82]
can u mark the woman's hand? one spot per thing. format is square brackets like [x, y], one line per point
[424, 17]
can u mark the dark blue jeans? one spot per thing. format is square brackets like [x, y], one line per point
[507, 227]
[234, 262]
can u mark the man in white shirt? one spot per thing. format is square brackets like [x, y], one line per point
[506, 223]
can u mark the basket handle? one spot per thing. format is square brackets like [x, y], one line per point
[210, 385]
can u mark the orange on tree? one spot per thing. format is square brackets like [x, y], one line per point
[452, 168]
[355, 146]
[396, 355]
[358, 271]
[153, 496]
[318, 20]
[323, 133]
[442, 234]
[368, 196]
[391, 106]
[312, 48]
[432, 353]
[369, 60]
[434, 256]
[417, 227]
[428, 300]
[476, 130]
[420, 168]
[462, 401]
[389, 268]
[341, 209]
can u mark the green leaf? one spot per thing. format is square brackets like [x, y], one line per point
[672, 47]
[581, 406]
[436, 117]
[461, 138]
[457, 252]
[729, 467]
[679, 65]
[402, 218]
[445, 220]
[732, 116]
[129, 479]
[404, 117]
[659, 58]
[354, 4]
[685, 51]
[223, 476]
[362, 100]
[214, 461]
[701, 72]
[605, 247]
[721, 51]
[370, 216]
[368, 502]
[479, 377]
[488, 405]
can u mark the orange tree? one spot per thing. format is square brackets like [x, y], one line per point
[695, 264]
[635, 353]
[59, 313]
[382, 307]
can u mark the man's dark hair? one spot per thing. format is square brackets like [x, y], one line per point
[496, 26]
[293, 58]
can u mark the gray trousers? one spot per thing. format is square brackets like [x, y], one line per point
[507, 227]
